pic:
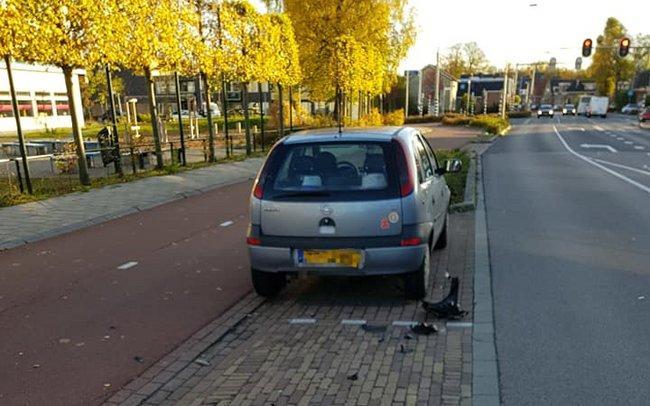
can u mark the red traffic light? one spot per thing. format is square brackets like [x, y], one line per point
[624, 47]
[586, 47]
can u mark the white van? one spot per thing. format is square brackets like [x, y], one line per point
[593, 106]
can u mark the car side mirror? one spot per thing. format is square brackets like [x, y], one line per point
[453, 165]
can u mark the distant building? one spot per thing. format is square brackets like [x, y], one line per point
[569, 90]
[421, 91]
[42, 98]
[486, 91]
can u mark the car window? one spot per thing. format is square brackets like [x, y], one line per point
[341, 170]
[432, 155]
[425, 170]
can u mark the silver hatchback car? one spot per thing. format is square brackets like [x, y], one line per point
[363, 202]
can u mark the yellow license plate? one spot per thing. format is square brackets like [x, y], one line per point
[350, 258]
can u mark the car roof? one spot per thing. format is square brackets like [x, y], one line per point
[385, 133]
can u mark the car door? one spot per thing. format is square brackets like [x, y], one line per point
[439, 191]
[426, 192]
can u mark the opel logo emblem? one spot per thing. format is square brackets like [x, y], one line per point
[326, 210]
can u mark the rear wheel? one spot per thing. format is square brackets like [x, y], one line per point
[442, 238]
[415, 283]
[268, 283]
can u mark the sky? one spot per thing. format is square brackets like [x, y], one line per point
[511, 31]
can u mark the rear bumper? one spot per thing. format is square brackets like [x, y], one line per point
[377, 261]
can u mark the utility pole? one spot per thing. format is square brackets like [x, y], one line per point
[406, 102]
[516, 81]
[116, 140]
[505, 93]
[531, 87]
[420, 107]
[181, 133]
[19, 131]
[436, 102]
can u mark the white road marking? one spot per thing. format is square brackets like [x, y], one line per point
[607, 147]
[227, 223]
[639, 147]
[459, 324]
[629, 168]
[629, 142]
[604, 168]
[405, 323]
[302, 321]
[128, 265]
[353, 322]
[620, 138]
[598, 128]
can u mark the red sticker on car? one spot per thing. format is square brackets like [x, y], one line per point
[384, 223]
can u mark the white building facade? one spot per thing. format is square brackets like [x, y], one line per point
[42, 98]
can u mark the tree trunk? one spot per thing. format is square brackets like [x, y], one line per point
[153, 111]
[116, 141]
[225, 116]
[19, 130]
[208, 103]
[247, 124]
[84, 178]
[181, 132]
[290, 109]
[280, 112]
[261, 98]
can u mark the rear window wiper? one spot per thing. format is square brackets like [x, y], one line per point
[303, 193]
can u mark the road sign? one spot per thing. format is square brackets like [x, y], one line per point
[578, 63]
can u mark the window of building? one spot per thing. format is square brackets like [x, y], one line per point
[25, 108]
[62, 108]
[5, 109]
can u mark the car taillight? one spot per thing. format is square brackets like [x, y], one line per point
[405, 172]
[253, 241]
[258, 191]
[409, 242]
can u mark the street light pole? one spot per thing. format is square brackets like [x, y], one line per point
[19, 130]
[436, 102]
[406, 102]
[505, 93]
[180, 118]
[111, 96]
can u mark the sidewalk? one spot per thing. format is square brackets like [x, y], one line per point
[308, 345]
[43, 219]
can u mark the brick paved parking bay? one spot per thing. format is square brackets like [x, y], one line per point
[326, 341]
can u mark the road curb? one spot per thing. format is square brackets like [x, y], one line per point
[485, 374]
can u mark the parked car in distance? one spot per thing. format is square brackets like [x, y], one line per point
[545, 110]
[631, 108]
[645, 115]
[364, 202]
[569, 109]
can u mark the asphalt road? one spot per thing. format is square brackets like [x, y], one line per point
[569, 241]
[84, 313]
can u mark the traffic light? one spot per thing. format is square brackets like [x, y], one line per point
[578, 63]
[552, 63]
[624, 47]
[586, 47]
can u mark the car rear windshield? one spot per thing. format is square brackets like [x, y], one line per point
[546, 106]
[331, 171]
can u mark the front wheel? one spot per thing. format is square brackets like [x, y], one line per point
[415, 283]
[267, 283]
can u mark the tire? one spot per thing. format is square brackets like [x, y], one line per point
[415, 283]
[442, 238]
[268, 284]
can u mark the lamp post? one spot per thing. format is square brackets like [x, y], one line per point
[19, 130]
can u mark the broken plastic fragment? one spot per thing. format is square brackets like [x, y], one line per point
[424, 329]
[447, 308]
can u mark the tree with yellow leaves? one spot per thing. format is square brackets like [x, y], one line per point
[153, 46]
[70, 34]
[12, 38]
[350, 45]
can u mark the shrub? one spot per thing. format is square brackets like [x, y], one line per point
[394, 117]
[519, 114]
[492, 124]
[373, 119]
[423, 119]
[455, 119]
